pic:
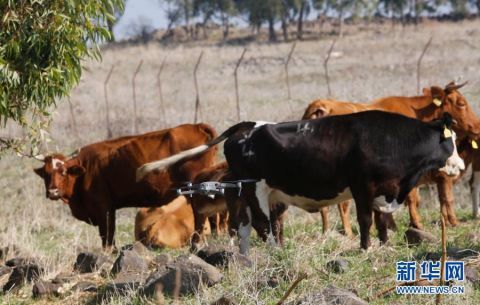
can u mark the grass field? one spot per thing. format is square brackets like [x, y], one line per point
[371, 63]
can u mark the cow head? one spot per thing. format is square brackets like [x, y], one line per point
[317, 109]
[59, 174]
[450, 100]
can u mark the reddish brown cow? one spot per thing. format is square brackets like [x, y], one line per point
[101, 178]
[427, 107]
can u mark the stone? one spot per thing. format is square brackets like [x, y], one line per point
[19, 261]
[224, 301]
[335, 295]
[472, 275]
[182, 277]
[415, 236]
[20, 274]
[339, 265]
[125, 283]
[63, 278]
[129, 261]
[90, 262]
[221, 258]
[43, 288]
[161, 260]
[4, 270]
[85, 287]
[457, 253]
[330, 296]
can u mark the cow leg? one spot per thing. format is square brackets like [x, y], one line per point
[324, 212]
[197, 236]
[381, 225]
[244, 231]
[412, 202]
[445, 194]
[277, 214]
[344, 211]
[475, 193]
[106, 228]
[363, 204]
[390, 221]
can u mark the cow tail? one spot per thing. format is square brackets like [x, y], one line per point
[165, 163]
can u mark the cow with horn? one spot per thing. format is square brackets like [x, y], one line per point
[101, 178]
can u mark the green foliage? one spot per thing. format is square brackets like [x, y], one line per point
[42, 45]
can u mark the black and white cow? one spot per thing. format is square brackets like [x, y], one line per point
[374, 157]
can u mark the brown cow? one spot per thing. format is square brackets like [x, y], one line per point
[101, 179]
[430, 106]
[168, 226]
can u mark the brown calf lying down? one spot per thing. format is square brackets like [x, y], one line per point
[167, 226]
[427, 107]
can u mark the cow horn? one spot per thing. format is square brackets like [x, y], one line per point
[452, 86]
[39, 158]
[74, 154]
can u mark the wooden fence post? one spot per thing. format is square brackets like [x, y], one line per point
[135, 119]
[160, 92]
[419, 63]
[235, 75]
[107, 107]
[325, 66]
[197, 95]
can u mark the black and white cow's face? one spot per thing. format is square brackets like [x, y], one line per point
[454, 164]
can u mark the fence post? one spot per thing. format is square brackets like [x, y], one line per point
[325, 66]
[135, 120]
[287, 75]
[235, 75]
[419, 63]
[197, 95]
[160, 92]
[74, 121]
[107, 107]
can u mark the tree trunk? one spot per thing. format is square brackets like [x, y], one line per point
[300, 21]
[285, 28]
[272, 36]
[340, 17]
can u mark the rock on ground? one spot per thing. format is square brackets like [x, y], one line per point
[416, 236]
[43, 288]
[129, 261]
[339, 265]
[21, 274]
[182, 277]
[90, 262]
[224, 301]
[221, 258]
[330, 296]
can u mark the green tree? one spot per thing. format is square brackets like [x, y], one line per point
[219, 9]
[42, 46]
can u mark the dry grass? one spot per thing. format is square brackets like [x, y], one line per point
[374, 63]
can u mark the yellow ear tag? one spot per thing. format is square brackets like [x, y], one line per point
[474, 144]
[447, 133]
[437, 102]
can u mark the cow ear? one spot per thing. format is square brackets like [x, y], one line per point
[427, 92]
[438, 96]
[319, 113]
[40, 171]
[76, 170]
